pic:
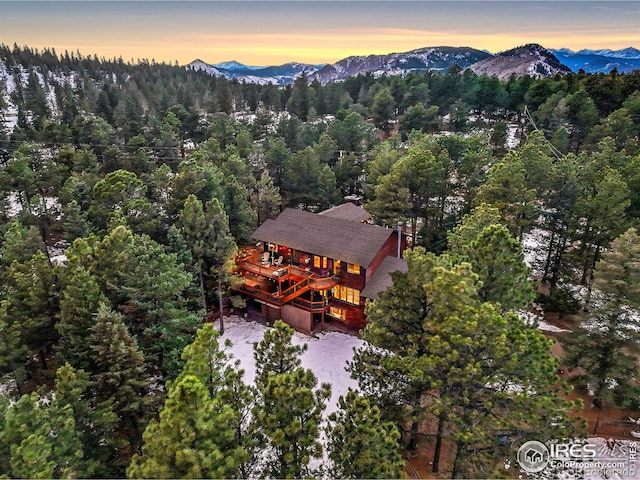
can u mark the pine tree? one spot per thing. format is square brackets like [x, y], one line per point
[496, 379]
[328, 193]
[177, 246]
[120, 374]
[193, 438]
[267, 198]
[206, 231]
[277, 156]
[241, 398]
[11, 349]
[600, 209]
[298, 103]
[29, 308]
[382, 109]
[608, 336]
[74, 222]
[20, 243]
[223, 248]
[618, 272]
[197, 175]
[241, 217]
[122, 192]
[95, 423]
[41, 440]
[149, 292]
[288, 410]
[222, 377]
[79, 302]
[506, 189]
[409, 190]
[471, 225]
[195, 231]
[300, 183]
[206, 360]
[31, 458]
[436, 350]
[275, 354]
[289, 415]
[495, 256]
[361, 445]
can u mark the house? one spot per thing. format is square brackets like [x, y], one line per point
[349, 211]
[315, 265]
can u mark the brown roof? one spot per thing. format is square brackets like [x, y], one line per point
[381, 280]
[348, 211]
[336, 238]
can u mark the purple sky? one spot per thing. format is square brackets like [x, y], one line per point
[272, 32]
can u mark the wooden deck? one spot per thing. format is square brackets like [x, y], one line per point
[278, 285]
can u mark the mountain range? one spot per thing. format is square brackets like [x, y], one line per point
[435, 58]
[600, 61]
[531, 59]
[279, 75]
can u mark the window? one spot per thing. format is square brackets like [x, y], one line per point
[353, 268]
[346, 294]
[336, 267]
[319, 262]
[338, 313]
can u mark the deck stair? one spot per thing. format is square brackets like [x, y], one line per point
[304, 279]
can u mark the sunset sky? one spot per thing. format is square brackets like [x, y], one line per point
[273, 32]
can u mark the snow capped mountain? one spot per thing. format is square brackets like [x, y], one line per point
[233, 65]
[205, 67]
[629, 52]
[600, 61]
[279, 75]
[422, 59]
[531, 59]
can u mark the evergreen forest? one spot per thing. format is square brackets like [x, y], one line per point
[128, 188]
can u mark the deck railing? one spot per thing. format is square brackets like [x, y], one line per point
[316, 306]
[323, 283]
[295, 290]
[266, 297]
[310, 281]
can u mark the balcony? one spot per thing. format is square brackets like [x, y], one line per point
[278, 285]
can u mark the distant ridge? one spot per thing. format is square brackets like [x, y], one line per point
[629, 53]
[422, 59]
[531, 59]
[278, 75]
[600, 61]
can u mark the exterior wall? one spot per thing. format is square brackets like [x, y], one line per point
[299, 319]
[352, 280]
[354, 313]
[270, 313]
[389, 249]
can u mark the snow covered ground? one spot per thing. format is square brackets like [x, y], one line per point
[534, 244]
[327, 355]
[536, 318]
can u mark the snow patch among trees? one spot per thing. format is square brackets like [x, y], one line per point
[327, 355]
